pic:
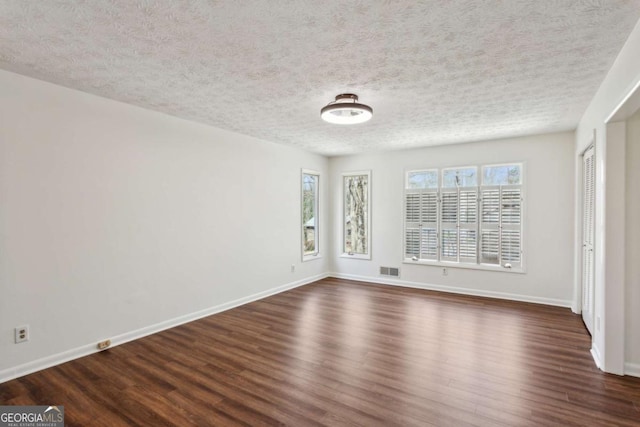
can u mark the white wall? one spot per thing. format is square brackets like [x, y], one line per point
[114, 219]
[609, 341]
[632, 272]
[548, 234]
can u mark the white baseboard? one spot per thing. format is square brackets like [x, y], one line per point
[595, 353]
[455, 290]
[85, 350]
[632, 369]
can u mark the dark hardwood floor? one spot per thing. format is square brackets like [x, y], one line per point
[338, 352]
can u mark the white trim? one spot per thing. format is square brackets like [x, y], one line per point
[455, 290]
[610, 311]
[613, 116]
[87, 349]
[595, 353]
[576, 306]
[355, 256]
[466, 265]
[632, 369]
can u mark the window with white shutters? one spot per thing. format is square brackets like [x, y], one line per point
[421, 224]
[459, 224]
[476, 224]
[501, 225]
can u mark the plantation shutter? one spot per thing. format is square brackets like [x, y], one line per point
[489, 225]
[412, 212]
[429, 221]
[449, 225]
[421, 224]
[468, 225]
[511, 225]
[501, 225]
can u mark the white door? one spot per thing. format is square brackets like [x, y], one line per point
[588, 222]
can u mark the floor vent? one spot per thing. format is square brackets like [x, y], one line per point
[390, 271]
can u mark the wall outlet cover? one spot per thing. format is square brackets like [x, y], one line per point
[21, 334]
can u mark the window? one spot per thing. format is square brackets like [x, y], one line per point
[356, 216]
[501, 175]
[423, 179]
[310, 223]
[464, 221]
[460, 177]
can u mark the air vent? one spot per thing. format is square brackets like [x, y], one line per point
[390, 271]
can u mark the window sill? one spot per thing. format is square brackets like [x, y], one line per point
[484, 267]
[306, 258]
[355, 256]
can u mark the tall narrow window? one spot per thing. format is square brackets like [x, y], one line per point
[458, 203]
[356, 241]
[501, 225]
[421, 215]
[310, 223]
[501, 218]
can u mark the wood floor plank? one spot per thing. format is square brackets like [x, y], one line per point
[344, 353]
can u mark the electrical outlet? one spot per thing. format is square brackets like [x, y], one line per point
[445, 272]
[293, 268]
[104, 344]
[22, 334]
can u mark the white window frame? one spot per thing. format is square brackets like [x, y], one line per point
[316, 254]
[411, 227]
[343, 253]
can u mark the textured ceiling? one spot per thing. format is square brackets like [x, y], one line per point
[435, 72]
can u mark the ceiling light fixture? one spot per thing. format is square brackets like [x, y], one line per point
[346, 110]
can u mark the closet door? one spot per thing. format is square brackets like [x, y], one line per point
[588, 222]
